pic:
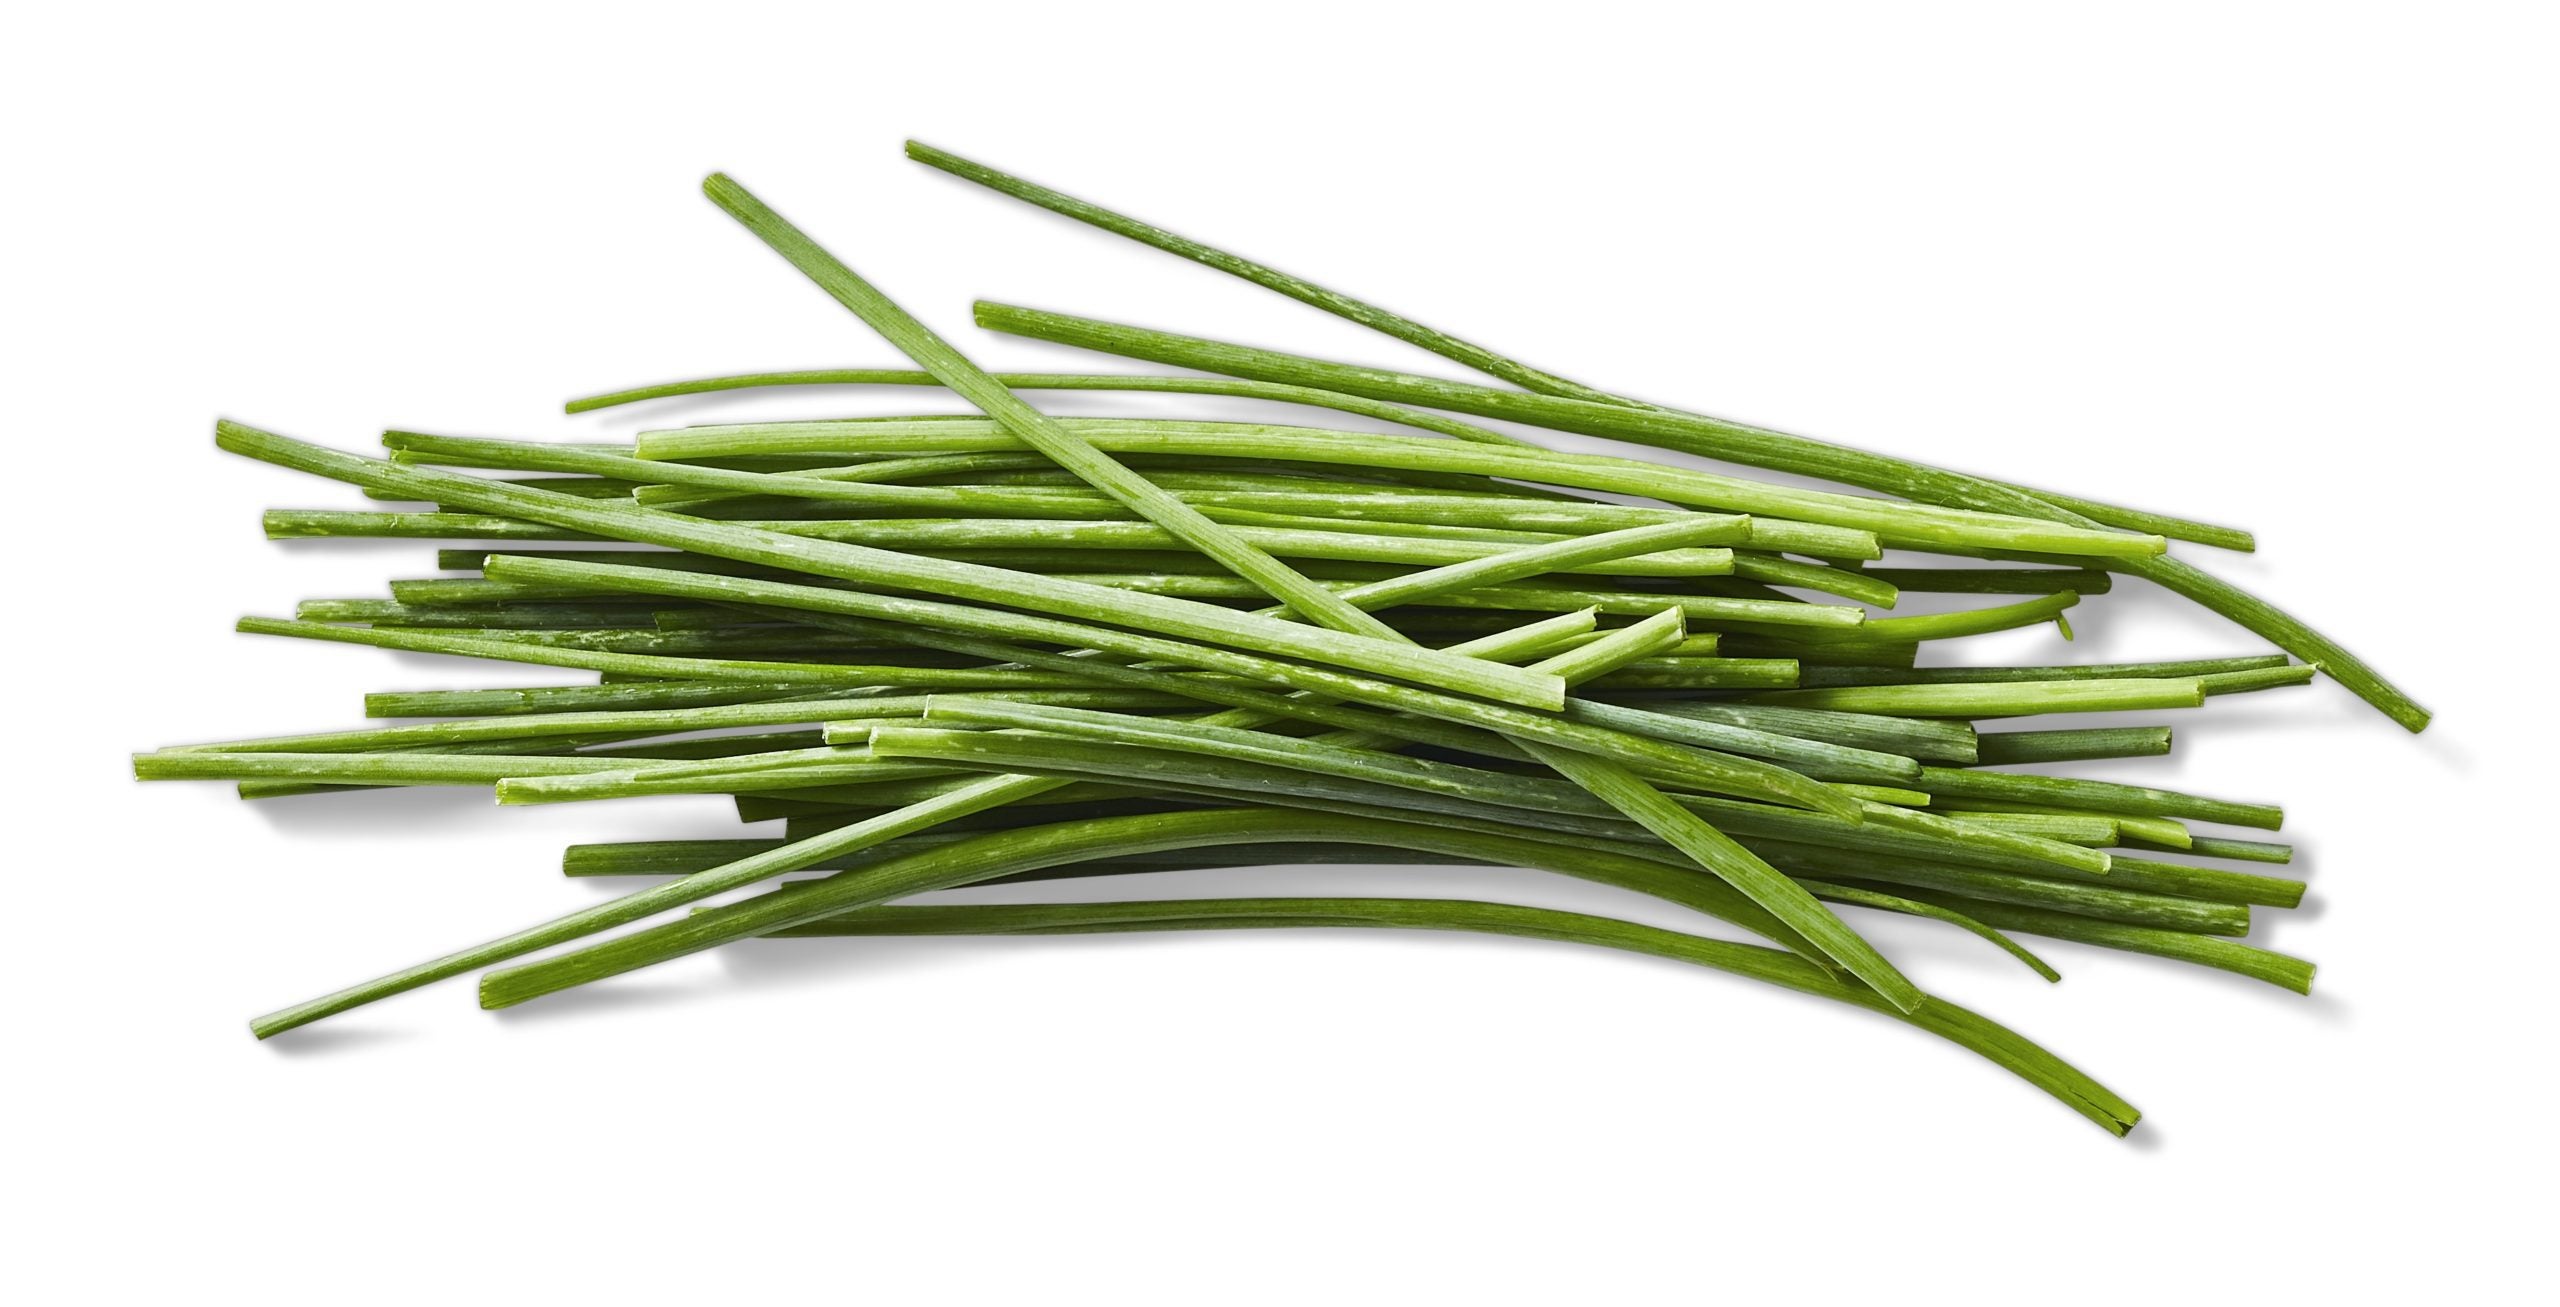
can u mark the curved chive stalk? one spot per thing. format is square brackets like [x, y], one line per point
[1032, 427]
[1745, 445]
[1007, 852]
[1868, 898]
[1994, 1043]
[1231, 387]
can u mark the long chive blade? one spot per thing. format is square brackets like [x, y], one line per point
[1104, 473]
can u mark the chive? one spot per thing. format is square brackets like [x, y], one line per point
[2263, 679]
[558, 744]
[360, 768]
[1990, 1041]
[1701, 674]
[1868, 898]
[1947, 626]
[1591, 551]
[1520, 643]
[649, 665]
[1748, 446]
[1768, 569]
[936, 535]
[2089, 830]
[1814, 757]
[579, 698]
[1029, 425]
[682, 857]
[2194, 667]
[960, 580]
[2204, 846]
[1999, 699]
[2004, 748]
[669, 720]
[1622, 647]
[1421, 419]
[2166, 832]
[1916, 525]
[824, 765]
[391, 612]
[2094, 796]
[1935, 741]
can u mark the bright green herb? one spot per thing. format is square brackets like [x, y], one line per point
[962, 650]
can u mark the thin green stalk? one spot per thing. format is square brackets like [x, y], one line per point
[1623, 646]
[1848, 583]
[938, 535]
[1686, 831]
[648, 665]
[1605, 549]
[1526, 641]
[1999, 699]
[2269, 678]
[2094, 796]
[1868, 898]
[2192, 667]
[1895, 522]
[363, 768]
[1029, 425]
[1913, 737]
[2163, 831]
[2205, 846]
[1420, 419]
[1994, 1043]
[538, 617]
[2009, 748]
[1948, 626]
[617, 696]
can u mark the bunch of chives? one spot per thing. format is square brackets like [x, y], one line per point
[945, 651]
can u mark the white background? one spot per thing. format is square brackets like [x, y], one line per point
[2285, 266]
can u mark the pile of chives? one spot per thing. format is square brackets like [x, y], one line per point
[947, 651]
